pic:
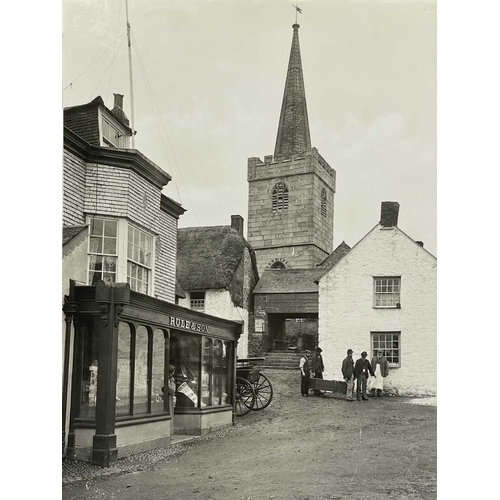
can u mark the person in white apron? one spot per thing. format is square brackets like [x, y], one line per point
[381, 368]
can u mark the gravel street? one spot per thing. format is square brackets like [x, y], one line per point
[298, 448]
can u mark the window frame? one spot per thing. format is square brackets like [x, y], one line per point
[120, 136]
[395, 305]
[201, 299]
[389, 332]
[149, 269]
[101, 253]
[121, 274]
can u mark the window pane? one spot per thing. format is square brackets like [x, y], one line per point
[105, 129]
[110, 264]
[110, 228]
[158, 381]
[110, 246]
[95, 244]
[205, 373]
[141, 371]
[129, 250]
[226, 349]
[89, 375]
[123, 370]
[136, 237]
[217, 372]
[185, 356]
[96, 226]
[108, 278]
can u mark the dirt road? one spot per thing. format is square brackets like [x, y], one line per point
[315, 448]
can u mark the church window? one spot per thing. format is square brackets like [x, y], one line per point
[323, 202]
[277, 265]
[280, 197]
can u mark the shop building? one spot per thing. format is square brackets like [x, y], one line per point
[382, 295]
[121, 326]
[217, 269]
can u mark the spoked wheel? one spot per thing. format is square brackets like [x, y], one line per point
[244, 396]
[263, 392]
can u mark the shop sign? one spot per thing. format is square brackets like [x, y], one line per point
[188, 325]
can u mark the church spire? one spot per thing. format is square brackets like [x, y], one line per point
[293, 129]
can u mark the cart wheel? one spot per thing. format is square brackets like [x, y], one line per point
[263, 392]
[244, 397]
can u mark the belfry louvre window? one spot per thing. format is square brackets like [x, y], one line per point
[280, 197]
[387, 292]
[323, 202]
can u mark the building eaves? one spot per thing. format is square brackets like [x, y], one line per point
[117, 157]
[171, 207]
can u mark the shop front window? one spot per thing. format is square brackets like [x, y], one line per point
[124, 369]
[185, 357]
[217, 373]
[88, 399]
[159, 390]
[206, 372]
[141, 371]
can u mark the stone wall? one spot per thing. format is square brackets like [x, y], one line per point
[274, 235]
[347, 316]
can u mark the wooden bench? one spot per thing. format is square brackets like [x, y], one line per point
[336, 386]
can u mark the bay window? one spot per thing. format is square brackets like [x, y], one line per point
[119, 251]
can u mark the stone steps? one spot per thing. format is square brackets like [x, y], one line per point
[281, 360]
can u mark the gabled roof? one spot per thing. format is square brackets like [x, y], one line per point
[335, 256]
[207, 257]
[69, 232]
[378, 227]
[293, 129]
[289, 280]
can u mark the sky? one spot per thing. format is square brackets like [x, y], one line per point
[208, 84]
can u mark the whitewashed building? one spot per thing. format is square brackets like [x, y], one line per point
[382, 295]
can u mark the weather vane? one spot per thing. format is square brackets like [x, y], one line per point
[297, 9]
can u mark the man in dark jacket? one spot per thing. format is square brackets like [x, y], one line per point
[361, 370]
[305, 373]
[348, 374]
[317, 368]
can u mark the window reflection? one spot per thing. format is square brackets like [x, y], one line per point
[141, 371]
[185, 356]
[158, 375]
[123, 370]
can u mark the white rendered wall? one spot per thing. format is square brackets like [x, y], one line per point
[347, 315]
[218, 303]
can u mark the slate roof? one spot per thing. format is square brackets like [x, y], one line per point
[335, 256]
[289, 280]
[83, 120]
[69, 232]
[207, 257]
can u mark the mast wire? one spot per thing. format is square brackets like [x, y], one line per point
[153, 98]
[95, 60]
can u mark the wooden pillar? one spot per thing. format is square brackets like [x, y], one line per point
[111, 299]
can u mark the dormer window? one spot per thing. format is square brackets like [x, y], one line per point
[112, 136]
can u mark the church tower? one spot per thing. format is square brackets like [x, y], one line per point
[291, 193]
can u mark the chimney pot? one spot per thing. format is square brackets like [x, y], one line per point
[389, 214]
[237, 224]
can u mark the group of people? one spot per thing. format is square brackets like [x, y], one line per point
[358, 371]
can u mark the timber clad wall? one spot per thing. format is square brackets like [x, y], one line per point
[73, 189]
[305, 175]
[166, 251]
[120, 192]
[300, 303]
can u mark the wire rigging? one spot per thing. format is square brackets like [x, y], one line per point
[153, 98]
[92, 63]
[106, 70]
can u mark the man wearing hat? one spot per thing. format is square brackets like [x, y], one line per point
[361, 370]
[348, 374]
[317, 367]
[305, 373]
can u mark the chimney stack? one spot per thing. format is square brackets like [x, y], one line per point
[389, 213]
[421, 243]
[237, 224]
[118, 112]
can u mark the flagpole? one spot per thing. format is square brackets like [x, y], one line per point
[131, 78]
